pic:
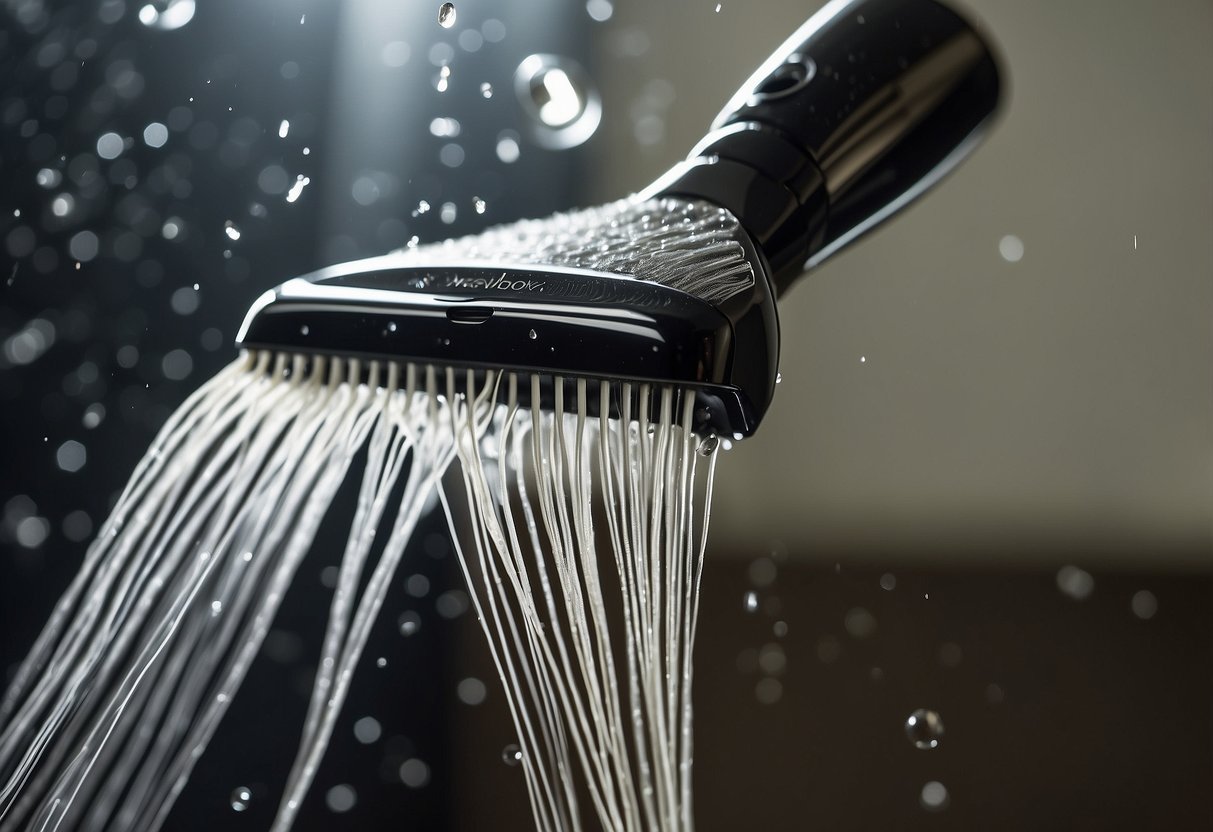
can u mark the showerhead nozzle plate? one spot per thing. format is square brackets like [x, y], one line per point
[552, 321]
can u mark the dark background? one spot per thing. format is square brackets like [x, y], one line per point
[1007, 427]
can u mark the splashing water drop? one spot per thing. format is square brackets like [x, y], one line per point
[296, 190]
[708, 446]
[562, 102]
[241, 796]
[446, 15]
[750, 603]
[167, 15]
[511, 755]
[479, 204]
[422, 207]
[924, 728]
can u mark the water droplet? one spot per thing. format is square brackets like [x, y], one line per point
[367, 730]
[448, 213]
[167, 15]
[341, 798]
[1011, 248]
[508, 149]
[750, 603]
[924, 728]
[241, 795]
[446, 15]
[296, 190]
[562, 102]
[422, 208]
[599, 10]
[443, 80]
[1074, 582]
[863, 359]
[708, 445]
[216, 607]
[511, 755]
[479, 204]
[1144, 604]
[888, 581]
[283, 128]
[410, 623]
[768, 691]
[305, 329]
[762, 572]
[471, 691]
[532, 335]
[779, 378]
[230, 229]
[414, 773]
[47, 178]
[859, 623]
[934, 797]
[62, 205]
[486, 89]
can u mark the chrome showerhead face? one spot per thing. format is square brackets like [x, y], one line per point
[662, 291]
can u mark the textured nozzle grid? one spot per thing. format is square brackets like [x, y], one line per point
[689, 245]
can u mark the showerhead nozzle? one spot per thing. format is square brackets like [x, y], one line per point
[862, 110]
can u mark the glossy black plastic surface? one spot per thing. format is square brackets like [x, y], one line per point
[553, 322]
[859, 112]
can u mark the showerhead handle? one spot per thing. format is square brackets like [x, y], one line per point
[860, 111]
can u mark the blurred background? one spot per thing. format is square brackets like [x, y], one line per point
[985, 488]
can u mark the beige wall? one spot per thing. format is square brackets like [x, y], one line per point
[1061, 400]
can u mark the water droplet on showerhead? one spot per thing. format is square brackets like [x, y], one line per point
[532, 335]
[561, 100]
[511, 755]
[924, 728]
[167, 15]
[750, 602]
[446, 15]
[241, 795]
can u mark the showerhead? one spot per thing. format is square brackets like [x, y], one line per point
[859, 112]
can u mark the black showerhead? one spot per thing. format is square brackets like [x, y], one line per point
[863, 109]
